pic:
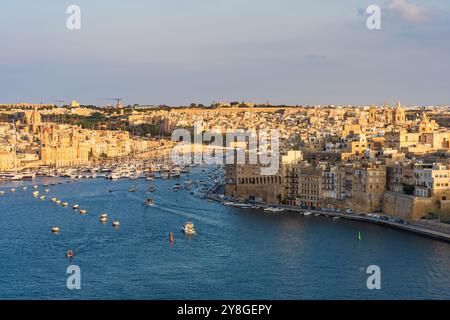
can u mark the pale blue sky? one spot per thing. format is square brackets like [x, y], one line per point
[183, 51]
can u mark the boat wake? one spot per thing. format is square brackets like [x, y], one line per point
[190, 216]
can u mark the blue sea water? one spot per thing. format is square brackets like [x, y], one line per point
[236, 254]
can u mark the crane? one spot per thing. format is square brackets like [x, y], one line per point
[119, 101]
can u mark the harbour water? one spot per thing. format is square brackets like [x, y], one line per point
[236, 254]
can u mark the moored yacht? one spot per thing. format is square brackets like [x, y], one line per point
[274, 209]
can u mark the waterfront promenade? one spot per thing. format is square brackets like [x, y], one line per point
[419, 227]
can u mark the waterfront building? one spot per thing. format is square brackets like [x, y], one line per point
[246, 183]
[304, 184]
[368, 186]
[7, 159]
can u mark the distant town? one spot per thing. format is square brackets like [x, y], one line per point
[387, 159]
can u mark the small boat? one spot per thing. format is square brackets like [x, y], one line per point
[307, 213]
[82, 211]
[58, 201]
[2, 192]
[65, 204]
[35, 194]
[188, 181]
[42, 197]
[336, 218]
[149, 202]
[104, 215]
[116, 224]
[189, 228]
[103, 219]
[35, 187]
[55, 229]
[316, 214]
[54, 199]
[24, 188]
[242, 205]
[164, 175]
[75, 206]
[47, 190]
[132, 189]
[171, 239]
[274, 209]
[13, 190]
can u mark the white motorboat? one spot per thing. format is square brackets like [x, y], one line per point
[274, 209]
[189, 228]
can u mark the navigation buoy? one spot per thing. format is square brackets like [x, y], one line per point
[69, 254]
[171, 239]
[359, 235]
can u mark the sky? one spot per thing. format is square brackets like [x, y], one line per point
[299, 52]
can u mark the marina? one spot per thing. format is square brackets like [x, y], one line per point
[231, 245]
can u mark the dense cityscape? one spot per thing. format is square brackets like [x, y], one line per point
[368, 159]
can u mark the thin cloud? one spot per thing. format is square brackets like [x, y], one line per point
[408, 11]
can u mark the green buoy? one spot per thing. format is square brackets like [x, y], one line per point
[359, 235]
